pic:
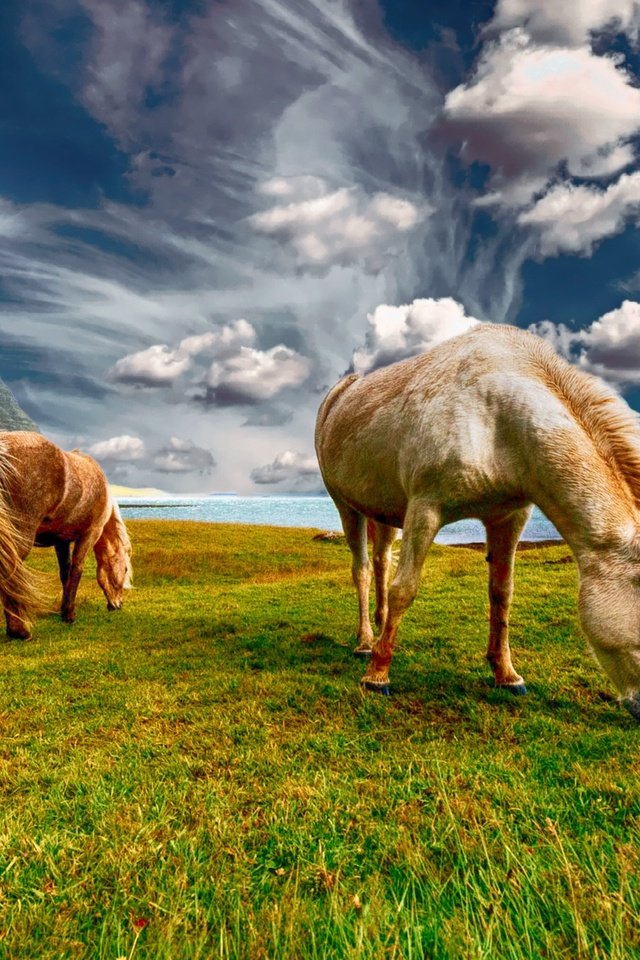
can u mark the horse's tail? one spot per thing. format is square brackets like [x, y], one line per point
[19, 587]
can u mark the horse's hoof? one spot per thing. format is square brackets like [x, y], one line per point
[632, 704]
[517, 689]
[363, 653]
[376, 686]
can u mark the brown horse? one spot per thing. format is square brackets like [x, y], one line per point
[484, 425]
[50, 498]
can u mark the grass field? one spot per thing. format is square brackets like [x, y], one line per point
[200, 776]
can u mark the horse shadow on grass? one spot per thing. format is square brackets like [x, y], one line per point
[431, 689]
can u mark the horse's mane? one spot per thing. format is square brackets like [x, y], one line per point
[611, 424]
[119, 531]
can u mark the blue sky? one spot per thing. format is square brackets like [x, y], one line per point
[211, 209]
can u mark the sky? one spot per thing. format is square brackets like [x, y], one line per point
[210, 210]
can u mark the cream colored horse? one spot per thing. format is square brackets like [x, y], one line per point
[52, 498]
[484, 425]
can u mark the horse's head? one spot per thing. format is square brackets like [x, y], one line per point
[609, 608]
[113, 559]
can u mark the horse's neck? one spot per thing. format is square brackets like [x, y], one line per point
[583, 496]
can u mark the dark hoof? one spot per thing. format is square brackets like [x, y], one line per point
[18, 635]
[362, 653]
[517, 689]
[382, 688]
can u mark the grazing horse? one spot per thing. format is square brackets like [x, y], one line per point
[50, 498]
[485, 425]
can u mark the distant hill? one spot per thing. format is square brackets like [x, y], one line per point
[119, 491]
[12, 417]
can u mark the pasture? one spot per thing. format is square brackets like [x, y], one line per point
[200, 776]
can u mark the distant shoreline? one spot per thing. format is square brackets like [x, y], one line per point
[522, 544]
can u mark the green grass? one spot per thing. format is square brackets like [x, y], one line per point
[200, 776]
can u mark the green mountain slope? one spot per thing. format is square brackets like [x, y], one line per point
[12, 417]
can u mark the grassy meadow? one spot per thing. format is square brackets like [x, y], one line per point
[200, 776]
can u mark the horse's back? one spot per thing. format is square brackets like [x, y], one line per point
[449, 424]
[36, 471]
[51, 489]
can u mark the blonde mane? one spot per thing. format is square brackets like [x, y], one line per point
[612, 426]
[125, 542]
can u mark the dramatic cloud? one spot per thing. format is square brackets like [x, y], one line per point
[296, 469]
[118, 449]
[405, 331]
[157, 366]
[610, 347]
[325, 227]
[239, 373]
[570, 23]
[254, 375]
[161, 365]
[279, 162]
[178, 456]
[529, 108]
[183, 456]
[573, 218]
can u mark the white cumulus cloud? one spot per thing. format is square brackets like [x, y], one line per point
[554, 20]
[294, 468]
[182, 456]
[252, 375]
[157, 366]
[609, 347]
[396, 332]
[572, 218]
[324, 226]
[529, 108]
[115, 449]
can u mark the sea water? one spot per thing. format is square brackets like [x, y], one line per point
[289, 511]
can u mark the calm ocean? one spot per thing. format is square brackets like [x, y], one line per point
[315, 512]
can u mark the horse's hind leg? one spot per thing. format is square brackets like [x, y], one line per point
[502, 538]
[355, 530]
[422, 522]
[383, 537]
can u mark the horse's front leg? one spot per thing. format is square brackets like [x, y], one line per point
[422, 522]
[70, 586]
[63, 554]
[502, 539]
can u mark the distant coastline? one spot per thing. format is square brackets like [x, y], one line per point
[310, 512]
